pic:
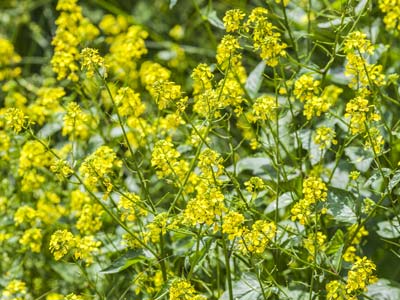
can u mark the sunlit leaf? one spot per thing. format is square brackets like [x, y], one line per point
[124, 262]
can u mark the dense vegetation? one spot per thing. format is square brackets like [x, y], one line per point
[199, 149]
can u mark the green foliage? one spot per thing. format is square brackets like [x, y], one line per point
[199, 149]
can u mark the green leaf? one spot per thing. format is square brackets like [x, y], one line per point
[336, 242]
[257, 165]
[376, 179]
[172, 3]
[384, 289]
[124, 262]
[361, 158]
[308, 143]
[211, 16]
[360, 7]
[283, 201]
[294, 294]
[389, 229]
[341, 205]
[334, 22]
[255, 79]
[247, 288]
[196, 258]
[394, 180]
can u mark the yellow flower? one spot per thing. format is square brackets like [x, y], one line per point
[129, 103]
[264, 108]
[358, 41]
[32, 238]
[8, 60]
[89, 218]
[324, 137]
[360, 276]
[85, 248]
[232, 19]
[92, 62]
[315, 243]
[258, 238]
[255, 184]
[164, 158]
[15, 289]
[129, 206]
[16, 119]
[181, 289]
[227, 52]
[61, 242]
[314, 190]
[98, 168]
[75, 122]
[232, 224]
[336, 291]
[392, 13]
[306, 88]
[265, 38]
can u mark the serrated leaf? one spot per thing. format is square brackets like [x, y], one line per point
[394, 180]
[255, 79]
[384, 289]
[124, 262]
[172, 3]
[389, 229]
[341, 204]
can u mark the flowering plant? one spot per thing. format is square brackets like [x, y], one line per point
[248, 152]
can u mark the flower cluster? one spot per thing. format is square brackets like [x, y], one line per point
[181, 289]
[325, 137]
[362, 118]
[92, 62]
[391, 9]
[265, 37]
[258, 238]
[264, 108]
[98, 168]
[356, 46]
[315, 244]
[232, 224]
[76, 122]
[359, 277]
[72, 30]
[355, 233]
[63, 242]
[308, 90]
[8, 60]
[314, 191]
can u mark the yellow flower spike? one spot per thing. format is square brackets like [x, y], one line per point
[325, 137]
[258, 238]
[232, 224]
[232, 20]
[32, 238]
[8, 60]
[61, 242]
[92, 61]
[16, 119]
